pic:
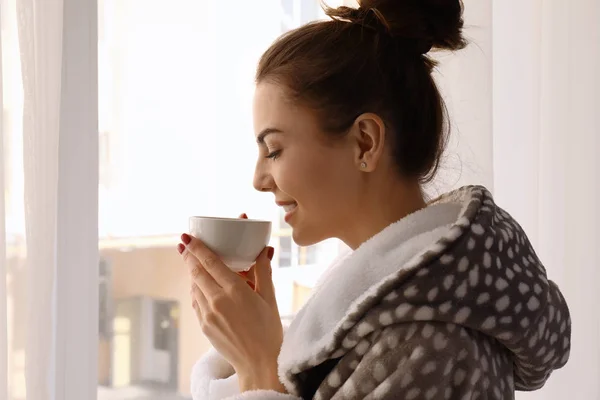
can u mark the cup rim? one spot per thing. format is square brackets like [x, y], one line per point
[194, 217]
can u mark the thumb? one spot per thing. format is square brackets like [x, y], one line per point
[263, 276]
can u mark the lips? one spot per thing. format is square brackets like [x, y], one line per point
[289, 207]
[286, 203]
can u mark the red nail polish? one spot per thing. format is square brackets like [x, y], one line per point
[180, 248]
[244, 216]
[270, 253]
[186, 239]
[243, 273]
[251, 285]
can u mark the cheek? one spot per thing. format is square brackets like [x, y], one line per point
[295, 176]
[316, 182]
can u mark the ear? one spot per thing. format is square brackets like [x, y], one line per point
[368, 134]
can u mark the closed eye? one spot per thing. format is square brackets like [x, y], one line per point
[273, 155]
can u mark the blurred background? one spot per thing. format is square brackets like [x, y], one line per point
[175, 139]
[170, 77]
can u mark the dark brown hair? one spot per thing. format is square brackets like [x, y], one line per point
[373, 59]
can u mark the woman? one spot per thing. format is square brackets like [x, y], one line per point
[443, 299]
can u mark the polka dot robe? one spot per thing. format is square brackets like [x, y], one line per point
[473, 317]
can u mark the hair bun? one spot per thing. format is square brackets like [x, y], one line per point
[434, 24]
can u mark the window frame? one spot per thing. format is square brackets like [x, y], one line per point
[76, 289]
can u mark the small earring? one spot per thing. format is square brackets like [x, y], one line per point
[363, 165]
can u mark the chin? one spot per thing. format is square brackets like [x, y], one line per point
[307, 237]
[301, 240]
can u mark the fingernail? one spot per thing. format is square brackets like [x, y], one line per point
[251, 285]
[244, 216]
[270, 253]
[180, 248]
[186, 239]
[243, 273]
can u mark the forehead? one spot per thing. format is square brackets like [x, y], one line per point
[270, 104]
[273, 108]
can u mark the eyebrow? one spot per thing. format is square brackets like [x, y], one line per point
[260, 139]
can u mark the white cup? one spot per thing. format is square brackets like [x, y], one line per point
[238, 242]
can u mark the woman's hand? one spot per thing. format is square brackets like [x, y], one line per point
[242, 324]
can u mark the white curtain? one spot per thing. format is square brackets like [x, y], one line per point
[48, 235]
[524, 101]
[546, 141]
[40, 42]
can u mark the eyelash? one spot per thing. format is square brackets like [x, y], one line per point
[273, 155]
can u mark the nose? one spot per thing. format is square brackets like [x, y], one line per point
[263, 180]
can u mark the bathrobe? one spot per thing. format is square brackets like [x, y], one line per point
[450, 302]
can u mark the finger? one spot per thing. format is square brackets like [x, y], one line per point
[199, 276]
[249, 274]
[202, 279]
[251, 277]
[264, 280]
[250, 281]
[199, 302]
[197, 311]
[210, 262]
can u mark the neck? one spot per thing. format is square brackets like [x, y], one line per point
[381, 208]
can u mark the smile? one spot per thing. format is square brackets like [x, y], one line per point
[289, 210]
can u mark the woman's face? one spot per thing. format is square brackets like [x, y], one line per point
[315, 180]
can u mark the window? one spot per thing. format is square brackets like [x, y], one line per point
[105, 312]
[175, 101]
[104, 158]
[162, 325]
[8, 175]
[285, 251]
[308, 255]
